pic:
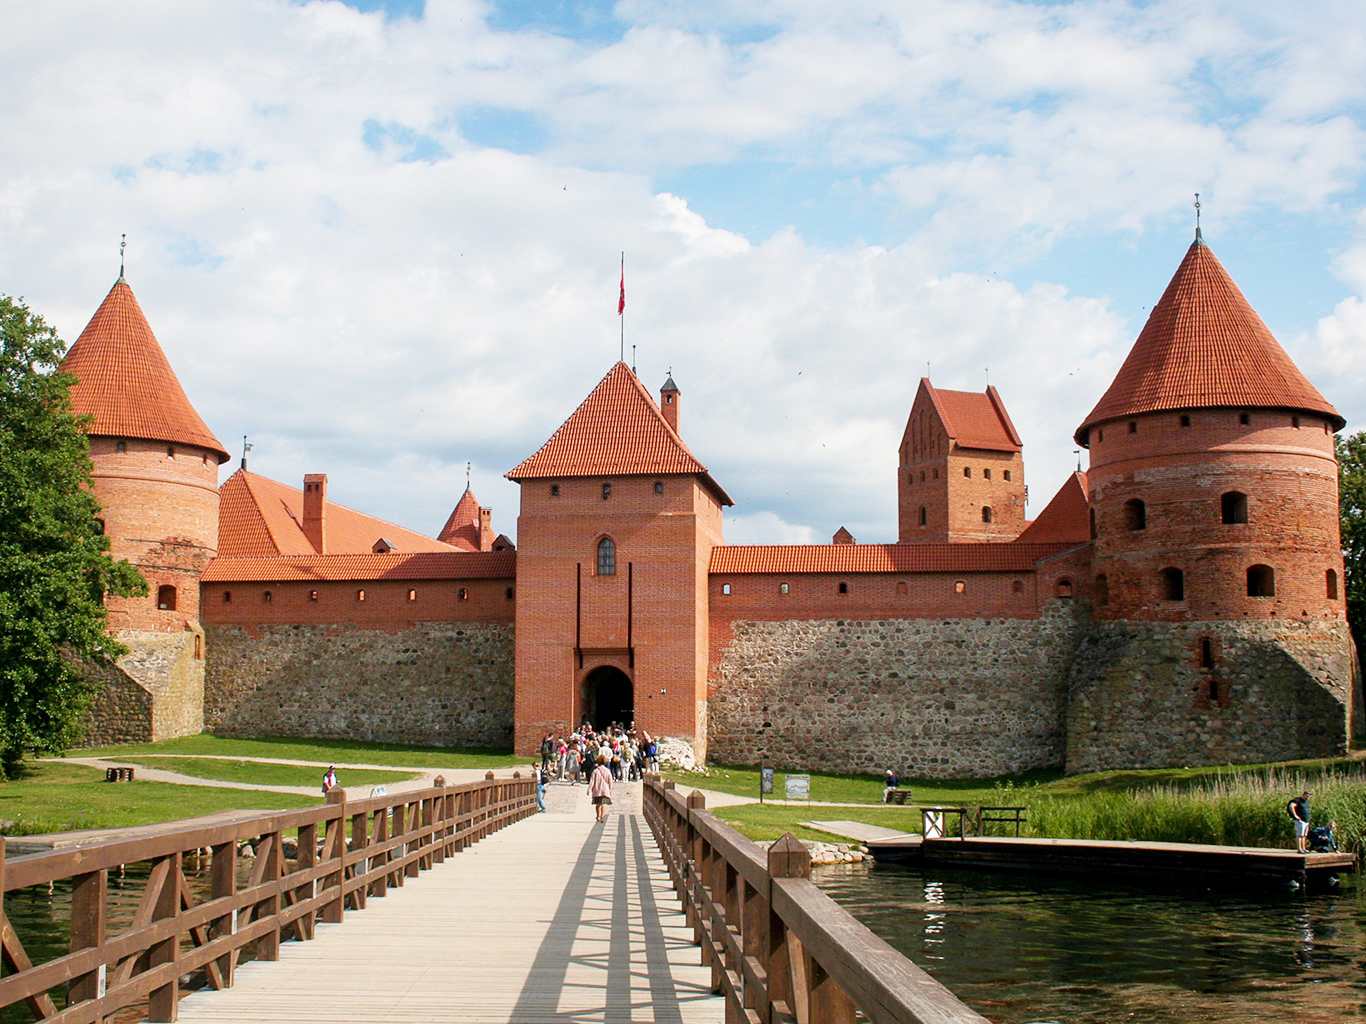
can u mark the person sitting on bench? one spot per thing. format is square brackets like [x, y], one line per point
[891, 783]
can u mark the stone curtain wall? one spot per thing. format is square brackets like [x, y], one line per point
[432, 683]
[938, 698]
[1140, 697]
[154, 692]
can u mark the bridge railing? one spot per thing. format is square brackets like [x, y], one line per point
[780, 950]
[391, 839]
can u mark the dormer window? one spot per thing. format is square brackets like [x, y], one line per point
[382, 547]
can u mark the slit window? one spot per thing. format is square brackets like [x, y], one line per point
[1093, 524]
[1261, 581]
[986, 513]
[1233, 507]
[1173, 585]
[1102, 589]
[967, 471]
[412, 595]
[554, 490]
[844, 588]
[922, 515]
[313, 595]
[227, 597]
[267, 596]
[509, 593]
[166, 598]
[1206, 653]
[1214, 691]
[360, 595]
[607, 556]
[606, 491]
[198, 647]
[1135, 515]
[1133, 426]
[463, 594]
[1331, 578]
[1100, 435]
[986, 474]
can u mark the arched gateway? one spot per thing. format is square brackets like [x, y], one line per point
[608, 696]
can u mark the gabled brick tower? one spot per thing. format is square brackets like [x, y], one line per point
[1217, 563]
[617, 525]
[470, 526]
[156, 476]
[960, 475]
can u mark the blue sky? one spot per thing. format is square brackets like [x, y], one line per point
[382, 238]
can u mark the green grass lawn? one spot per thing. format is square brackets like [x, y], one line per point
[52, 797]
[267, 774]
[324, 751]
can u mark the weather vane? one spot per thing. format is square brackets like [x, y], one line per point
[245, 448]
[122, 245]
[467, 476]
[1197, 213]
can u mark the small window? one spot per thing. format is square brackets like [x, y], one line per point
[121, 447]
[936, 474]
[986, 474]
[312, 595]
[166, 598]
[1064, 588]
[659, 486]
[360, 595]
[901, 588]
[1093, 524]
[99, 527]
[986, 513]
[1331, 577]
[922, 515]
[607, 556]
[1017, 586]
[412, 595]
[725, 589]
[1233, 507]
[1173, 585]
[844, 588]
[1261, 581]
[1295, 422]
[170, 452]
[1214, 691]
[1206, 653]
[509, 593]
[1102, 590]
[1185, 421]
[1006, 474]
[782, 588]
[1100, 435]
[198, 647]
[606, 491]
[1135, 515]
[204, 459]
[922, 476]
[267, 596]
[463, 593]
[1244, 419]
[967, 471]
[227, 597]
[960, 587]
[1133, 426]
[554, 490]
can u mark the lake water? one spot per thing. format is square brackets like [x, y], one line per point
[1021, 947]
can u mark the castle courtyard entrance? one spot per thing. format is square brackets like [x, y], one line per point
[608, 697]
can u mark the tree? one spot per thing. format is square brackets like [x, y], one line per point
[1352, 503]
[55, 566]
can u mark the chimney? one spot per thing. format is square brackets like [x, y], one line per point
[668, 401]
[486, 529]
[315, 511]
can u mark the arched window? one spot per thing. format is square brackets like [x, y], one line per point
[1173, 585]
[1093, 524]
[166, 598]
[607, 557]
[986, 513]
[198, 647]
[1331, 577]
[922, 515]
[1233, 507]
[782, 588]
[1064, 588]
[360, 595]
[1006, 474]
[1261, 581]
[725, 589]
[1102, 590]
[412, 595]
[1135, 515]
[967, 471]
[844, 588]
[986, 474]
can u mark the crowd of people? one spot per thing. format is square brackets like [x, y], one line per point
[627, 753]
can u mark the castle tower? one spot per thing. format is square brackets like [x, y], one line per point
[618, 521]
[960, 475]
[470, 526]
[156, 476]
[1217, 566]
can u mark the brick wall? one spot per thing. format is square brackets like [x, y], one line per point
[371, 604]
[447, 683]
[154, 692]
[1142, 695]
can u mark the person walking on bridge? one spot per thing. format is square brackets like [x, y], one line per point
[600, 788]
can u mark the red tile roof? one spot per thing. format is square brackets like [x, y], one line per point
[428, 565]
[259, 517]
[125, 382]
[1204, 346]
[462, 528]
[1065, 519]
[617, 431]
[878, 558]
[974, 420]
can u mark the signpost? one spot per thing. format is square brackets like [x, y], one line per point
[765, 781]
[797, 787]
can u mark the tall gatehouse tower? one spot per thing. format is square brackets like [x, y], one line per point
[1217, 563]
[156, 477]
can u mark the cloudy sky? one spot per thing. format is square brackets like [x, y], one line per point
[382, 238]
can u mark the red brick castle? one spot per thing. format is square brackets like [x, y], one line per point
[1181, 603]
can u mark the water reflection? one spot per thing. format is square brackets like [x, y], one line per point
[1021, 948]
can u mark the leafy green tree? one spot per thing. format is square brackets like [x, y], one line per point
[55, 566]
[1352, 502]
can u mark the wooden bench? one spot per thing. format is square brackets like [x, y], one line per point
[118, 775]
[897, 796]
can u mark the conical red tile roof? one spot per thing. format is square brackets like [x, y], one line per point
[1204, 346]
[125, 382]
[1065, 519]
[617, 431]
[462, 528]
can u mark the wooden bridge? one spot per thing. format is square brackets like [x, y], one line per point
[429, 906]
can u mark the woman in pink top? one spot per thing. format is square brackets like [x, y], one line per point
[600, 789]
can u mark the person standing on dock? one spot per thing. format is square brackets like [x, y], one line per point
[1298, 809]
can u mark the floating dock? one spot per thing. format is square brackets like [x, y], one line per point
[1166, 862]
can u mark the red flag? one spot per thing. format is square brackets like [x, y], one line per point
[621, 302]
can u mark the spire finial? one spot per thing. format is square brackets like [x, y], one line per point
[245, 447]
[1198, 237]
[123, 244]
[467, 476]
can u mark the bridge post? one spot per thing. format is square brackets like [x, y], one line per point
[693, 868]
[307, 853]
[787, 858]
[163, 1002]
[488, 794]
[428, 820]
[88, 925]
[223, 883]
[334, 851]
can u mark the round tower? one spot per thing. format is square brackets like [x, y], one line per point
[156, 465]
[1213, 480]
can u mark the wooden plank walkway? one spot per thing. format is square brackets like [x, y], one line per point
[554, 919]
